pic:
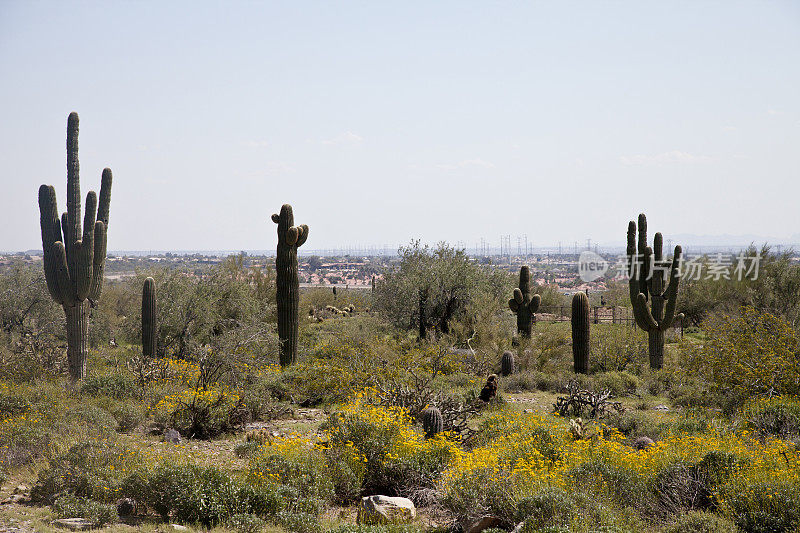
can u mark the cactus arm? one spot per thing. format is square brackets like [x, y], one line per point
[103, 207]
[51, 232]
[518, 297]
[98, 260]
[303, 235]
[671, 293]
[645, 314]
[535, 301]
[645, 284]
[73, 179]
[67, 297]
[513, 305]
[291, 235]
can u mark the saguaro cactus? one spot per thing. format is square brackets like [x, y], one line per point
[647, 271]
[290, 237]
[149, 335]
[523, 304]
[580, 332]
[74, 260]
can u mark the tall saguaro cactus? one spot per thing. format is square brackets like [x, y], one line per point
[523, 304]
[73, 260]
[647, 273]
[149, 335]
[290, 237]
[580, 332]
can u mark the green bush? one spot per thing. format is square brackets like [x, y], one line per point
[619, 383]
[772, 507]
[128, 415]
[88, 470]
[192, 493]
[619, 485]
[95, 419]
[246, 523]
[69, 506]
[13, 405]
[386, 528]
[548, 508]
[700, 522]
[118, 386]
[778, 416]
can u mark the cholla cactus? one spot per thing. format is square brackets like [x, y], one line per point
[523, 304]
[580, 332]
[74, 260]
[507, 364]
[432, 422]
[646, 283]
[290, 237]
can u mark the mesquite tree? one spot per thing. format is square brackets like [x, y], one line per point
[74, 260]
[290, 237]
[647, 273]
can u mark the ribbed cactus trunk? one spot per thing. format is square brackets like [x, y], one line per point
[523, 303]
[73, 259]
[647, 271]
[77, 338]
[580, 333]
[290, 237]
[149, 334]
[423, 301]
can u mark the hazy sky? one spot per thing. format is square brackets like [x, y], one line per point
[386, 121]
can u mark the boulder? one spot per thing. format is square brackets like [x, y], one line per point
[385, 510]
[126, 507]
[642, 443]
[171, 435]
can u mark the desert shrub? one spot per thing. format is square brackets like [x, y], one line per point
[13, 405]
[619, 383]
[531, 381]
[766, 507]
[69, 506]
[778, 416]
[300, 521]
[635, 424]
[89, 470]
[192, 493]
[752, 354]
[384, 528]
[551, 507]
[128, 415]
[394, 456]
[616, 348]
[96, 418]
[119, 386]
[700, 522]
[619, 484]
[246, 523]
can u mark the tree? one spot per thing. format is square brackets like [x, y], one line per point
[430, 288]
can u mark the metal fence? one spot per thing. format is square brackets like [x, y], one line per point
[601, 314]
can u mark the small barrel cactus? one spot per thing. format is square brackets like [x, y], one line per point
[432, 422]
[507, 364]
[149, 332]
[580, 332]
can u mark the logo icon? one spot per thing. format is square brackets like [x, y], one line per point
[591, 266]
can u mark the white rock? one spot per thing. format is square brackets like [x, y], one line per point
[385, 510]
[482, 524]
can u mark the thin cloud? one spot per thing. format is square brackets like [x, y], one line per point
[346, 138]
[665, 158]
[467, 163]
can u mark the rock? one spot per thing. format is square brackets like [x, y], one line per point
[385, 510]
[178, 527]
[171, 435]
[519, 527]
[14, 498]
[20, 489]
[75, 524]
[642, 443]
[661, 407]
[126, 507]
[483, 523]
[576, 427]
